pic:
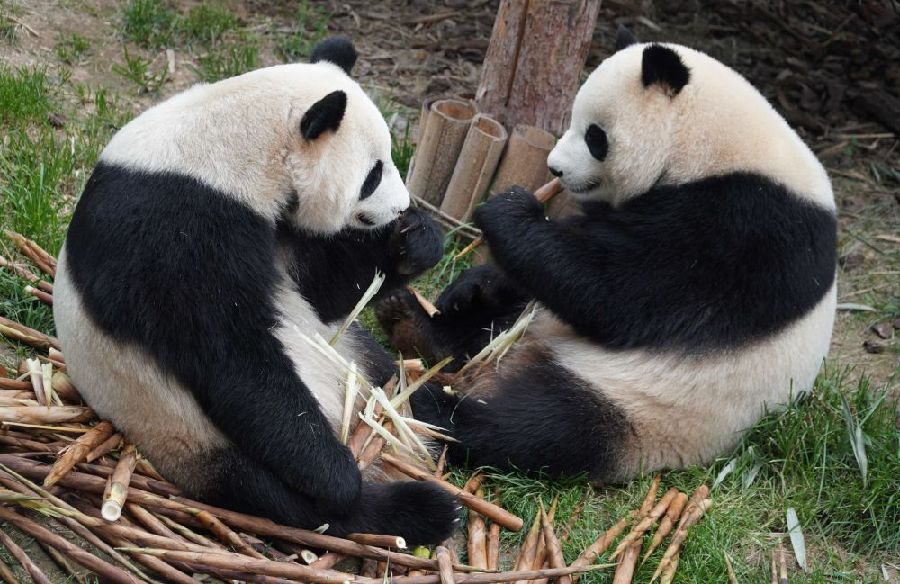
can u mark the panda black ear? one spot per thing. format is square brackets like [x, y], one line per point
[338, 50]
[324, 115]
[624, 38]
[662, 66]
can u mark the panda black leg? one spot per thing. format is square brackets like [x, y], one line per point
[538, 418]
[419, 512]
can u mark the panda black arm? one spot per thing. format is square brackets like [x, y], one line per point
[185, 274]
[333, 272]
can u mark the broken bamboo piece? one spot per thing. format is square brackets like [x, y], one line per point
[62, 385]
[78, 451]
[116, 490]
[475, 166]
[445, 565]
[385, 541]
[439, 146]
[525, 161]
[489, 510]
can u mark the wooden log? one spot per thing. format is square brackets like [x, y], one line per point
[533, 64]
[19, 554]
[439, 147]
[475, 167]
[78, 451]
[80, 556]
[493, 512]
[525, 160]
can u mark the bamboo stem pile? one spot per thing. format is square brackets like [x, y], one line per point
[59, 461]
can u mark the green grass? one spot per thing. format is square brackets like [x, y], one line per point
[206, 24]
[800, 458]
[228, 59]
[141, 72]
[149, 23]
[71, 47]
[311, 26]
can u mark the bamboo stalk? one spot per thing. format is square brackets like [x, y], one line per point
[385, 541]
[327, 561]
[39, 294]
[488, 577]
[26, 335]
[441, 463]
[64, 564]
[14, 385]
[638, 531]
[554, 548]
[80, 556]
[445, 565]
[627, 563]
[477, 541]
[590, 554]
[152, 523]
[426, 304]
[37, 382]
[489, 510]
[78, 451]
[475, 166]
[732, 578]
[7, 575]
[474, 482]
[117, 487]
[204, 542]
[691, 516]
[19, 554]
[782, 565]
[26, 274]
[493, 547]
[104, 448]
[226, 535]
[525, 161]
[45, 414]
[673, 513]
[34, 252]
[528, 551]
[62, 384]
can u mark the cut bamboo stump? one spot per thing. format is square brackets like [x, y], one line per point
[525, 161]
[423, 123]
[533, 64]
[446, 126]
[475, 167]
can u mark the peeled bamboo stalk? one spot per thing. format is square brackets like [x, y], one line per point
[78, 451]
[117, 487]
[525, 161]
[554, 548]
[37, 382]
[62, 385]
[489, 510]
[26, 274]
[475, 167]
[477, 540]
[226, 535]
[45, 414]
[26, 335]
[34, 252]
[445, 565]
[439, 146]
[39, 294]
[80, 556]
[638, 531]
[385, 541]
[19, 554]
[691, 516]
[104, 448]
[673, 513]
[361, 434]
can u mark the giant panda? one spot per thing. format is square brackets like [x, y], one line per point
[217, 228]
[694, 291]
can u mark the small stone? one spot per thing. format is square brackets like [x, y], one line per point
[883, 329]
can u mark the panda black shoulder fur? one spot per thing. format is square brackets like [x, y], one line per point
[695, 289]
[215, 226]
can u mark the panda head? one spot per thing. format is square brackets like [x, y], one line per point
[339, 154]
[620, 138]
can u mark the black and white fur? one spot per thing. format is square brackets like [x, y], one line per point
[695, 289]
[216, 227]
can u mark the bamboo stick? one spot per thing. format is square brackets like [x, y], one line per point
[39, 294]
[493, 547]
[554, 548]
[15, 385]
[691, 516]
[226, 535]
[7, 575]
[152, 523]
[782, 565]
[192, 536]
[525, 161]
[445, 565]
[638, 531]
[673, 513]
[104, 448]
[477, 541]
[528, 551]
[385, 541]
[732, 578]
[441, 463]
[27, 445]
[327, 561]
[475, 167]
[80, 556]
[627, 564]
[62, 384]
[26, 274]
[489, 510]
[64, 564]
[599, 546]
[34, 252]
[26, 335]
[45, 414]
[439, 147]
[474, 482]
[19, 554]
[488, 577]
[426, 304]
[117, 487]
[78, 451]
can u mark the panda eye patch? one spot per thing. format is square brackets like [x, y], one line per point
[373, 179]
[596, 141]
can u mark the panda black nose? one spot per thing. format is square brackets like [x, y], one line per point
[555, 171]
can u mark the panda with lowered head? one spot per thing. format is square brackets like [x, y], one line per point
[214, 227]
[695, 289]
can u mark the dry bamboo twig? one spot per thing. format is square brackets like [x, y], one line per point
[489, 510]
[19, 554]
[78, 451]
[673, 513]
[116, 490]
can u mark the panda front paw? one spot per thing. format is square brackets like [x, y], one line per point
[479, 288]
[508, 213]
[336, 484]
[416, 244]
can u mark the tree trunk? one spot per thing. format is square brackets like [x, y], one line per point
[533, 64]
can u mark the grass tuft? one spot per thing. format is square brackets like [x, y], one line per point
[149, 23]
[206, 24]
[311, 27]
[228, 60]
[141, 72]
[71, 47]
[24, 95]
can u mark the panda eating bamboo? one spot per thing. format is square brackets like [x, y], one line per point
[695, 289]
[218, 229]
